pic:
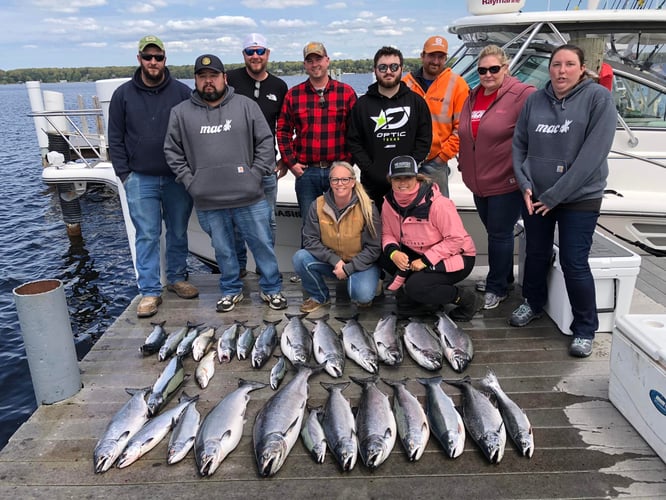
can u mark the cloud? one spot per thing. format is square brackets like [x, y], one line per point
[276, 4]
[212, 22]
[69, 7]
[288, 23]
[337, 5]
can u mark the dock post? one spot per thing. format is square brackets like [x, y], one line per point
[48, 339]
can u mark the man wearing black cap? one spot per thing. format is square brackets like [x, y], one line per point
[219, 146]
[138, 117]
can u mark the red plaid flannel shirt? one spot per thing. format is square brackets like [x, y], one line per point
[320, 129]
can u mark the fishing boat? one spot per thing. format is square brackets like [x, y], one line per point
[630, 41]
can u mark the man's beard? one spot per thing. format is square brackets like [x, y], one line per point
[150, 77]
[388, 85]
[210, 96]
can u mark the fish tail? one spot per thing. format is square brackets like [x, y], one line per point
[160, 323]
[330, 385]
[395, 383]
[253, 384]
[364, 381]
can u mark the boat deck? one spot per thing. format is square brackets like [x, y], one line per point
[584, 447]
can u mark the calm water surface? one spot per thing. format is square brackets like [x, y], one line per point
[95, 270]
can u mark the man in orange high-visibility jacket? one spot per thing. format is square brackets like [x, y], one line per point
[445, 92]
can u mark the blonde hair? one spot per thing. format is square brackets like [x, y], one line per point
[494, 50]
[364, 200]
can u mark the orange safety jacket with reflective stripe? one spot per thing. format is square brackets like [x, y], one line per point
[445, 97]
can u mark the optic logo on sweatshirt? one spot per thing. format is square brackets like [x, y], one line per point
[563, 128]
[389, 122]
[216, 129]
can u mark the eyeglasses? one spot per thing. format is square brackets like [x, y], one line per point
[493, 70]
[383, 68]
[260, 51]
[257, 86]
[322, 100]
[148, 57]
[340, 180]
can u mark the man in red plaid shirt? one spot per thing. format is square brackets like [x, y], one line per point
[312, 126]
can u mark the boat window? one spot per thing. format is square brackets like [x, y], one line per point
[639, 105]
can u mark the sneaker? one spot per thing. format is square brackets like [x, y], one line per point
[362, 305]
[148, 306]
[310, 305]
[228, 302]
[275, 300]
[491, 301]
[523, 315]
[295, 278]
[183, 289]
[580, 348]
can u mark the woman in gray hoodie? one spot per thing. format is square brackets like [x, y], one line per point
[560, 146]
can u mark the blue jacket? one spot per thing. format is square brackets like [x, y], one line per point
[138, 119]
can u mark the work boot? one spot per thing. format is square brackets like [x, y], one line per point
[467, 304]
[184, 289]
[148, 306]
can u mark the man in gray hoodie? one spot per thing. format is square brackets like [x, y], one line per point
[219, 146]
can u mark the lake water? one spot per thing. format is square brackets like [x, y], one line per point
[96, 270]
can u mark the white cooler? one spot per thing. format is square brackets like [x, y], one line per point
[614, 269]
[637, 385]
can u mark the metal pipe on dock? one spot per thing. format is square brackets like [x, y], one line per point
[49, 343]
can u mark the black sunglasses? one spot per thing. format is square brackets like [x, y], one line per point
[383, 68]
[148, 57]
[493, 70]
[260, 51]
[322, 100]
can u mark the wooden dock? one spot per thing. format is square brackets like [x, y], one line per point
[584, 447]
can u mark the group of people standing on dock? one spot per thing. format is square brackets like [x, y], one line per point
[539, 154]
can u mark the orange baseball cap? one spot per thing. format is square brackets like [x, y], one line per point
[436, 44]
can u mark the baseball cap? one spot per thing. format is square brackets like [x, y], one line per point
[436, 44]
[255, 40]
[314, 48]
[150, 40]
[403, 166]
[208, 61]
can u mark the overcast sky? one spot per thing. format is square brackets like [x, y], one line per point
[75, 33]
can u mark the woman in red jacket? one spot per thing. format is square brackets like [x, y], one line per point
[486, 131]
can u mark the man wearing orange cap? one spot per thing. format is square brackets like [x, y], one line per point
[444, 92]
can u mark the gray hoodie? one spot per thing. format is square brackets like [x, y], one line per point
[220, 153]
[560, 146]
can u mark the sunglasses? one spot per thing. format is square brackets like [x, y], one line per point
[340, 180]
[383, 68]
[322, 100]
[493, 70]
[250, 52]
[257, 86]
[148, 57]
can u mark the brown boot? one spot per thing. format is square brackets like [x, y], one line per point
[148, 306]
[468, 303]
[184, 289]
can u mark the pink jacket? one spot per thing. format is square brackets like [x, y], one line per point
[440, 237]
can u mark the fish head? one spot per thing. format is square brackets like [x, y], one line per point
[155, 402]
[105, 454]
[346, 453]
[335, 366]
[525, 443]
[177, 451]
[319, 452]
[413, 444]
[454, 443]
[271, 454]
[375, 451]
[209, 457]
[258, 359]
[130, 454]
[460, 360]
[492, 445]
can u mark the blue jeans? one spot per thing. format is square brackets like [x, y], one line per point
[361, 285]
[150, 200]
[575, 231]
[252, 222]
[269, 183]
[499, 215]
[439, 173]
[309, 186]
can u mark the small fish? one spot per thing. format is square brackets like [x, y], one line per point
[517, 424]
[327, 347]
[171, 343]
[482, 420]
[265, 344]
[278, 372]
[422, 345]
[205, 369]
[412, 422]
[313, 437]
[226, 346]
[339, 426]
[457, 344]
[152, 432]
[183, 434]
[201, 344]
[123, 425]
[245, 342]
[359, 345]
[296, 340]
[389, 345]
[375, 424]
[165, 386]
[185, 345]
[445, 421]
[155, 339]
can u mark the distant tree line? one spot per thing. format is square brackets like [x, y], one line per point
[54, 75]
